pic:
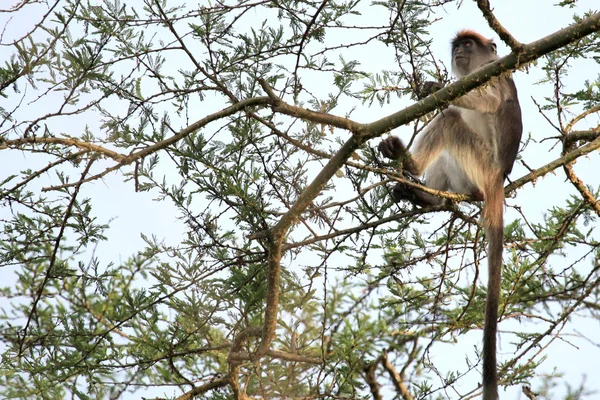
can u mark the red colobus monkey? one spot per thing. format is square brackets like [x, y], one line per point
[470, 148]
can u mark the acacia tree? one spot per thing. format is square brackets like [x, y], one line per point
[296, 276]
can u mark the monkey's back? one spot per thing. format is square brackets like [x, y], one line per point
[509, 125]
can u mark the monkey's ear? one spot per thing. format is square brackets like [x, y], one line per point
[494, 47]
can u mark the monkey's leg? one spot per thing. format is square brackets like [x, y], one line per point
[415, 196]
[435, 178]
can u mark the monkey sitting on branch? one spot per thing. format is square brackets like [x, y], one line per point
[469, 148]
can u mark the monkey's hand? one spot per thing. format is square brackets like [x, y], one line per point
[392, 147]
[429, 87]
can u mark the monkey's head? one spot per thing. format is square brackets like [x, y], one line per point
[470, 51]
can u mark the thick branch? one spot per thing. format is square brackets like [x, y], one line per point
[581, 188]
[576, 136]
[397, 379]
[280, 229]
[372, 381]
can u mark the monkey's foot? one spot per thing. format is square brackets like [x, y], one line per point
[478, 195]
[402, 191]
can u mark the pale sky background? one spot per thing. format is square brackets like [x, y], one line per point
[130, 213]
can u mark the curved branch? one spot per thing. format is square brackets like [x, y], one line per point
[551, 166]
[197, 391]
[86, 146]
[514, 44]
[313, 116]
[305, 35]
[125, 160]
[397, 379]
[575, 136]
[581, 188]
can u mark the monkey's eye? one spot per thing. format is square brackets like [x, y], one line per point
[468, 44]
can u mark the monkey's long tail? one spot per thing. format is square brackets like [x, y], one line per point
[494, 225]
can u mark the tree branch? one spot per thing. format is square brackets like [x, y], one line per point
[197, 391]
[313, 116]
[371, 380]
[484, 6]
[397, 379]
[551, 166]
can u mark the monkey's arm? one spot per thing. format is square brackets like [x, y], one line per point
[485, 100]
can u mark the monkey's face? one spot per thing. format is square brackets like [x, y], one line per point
[462, 52]
[468, 55]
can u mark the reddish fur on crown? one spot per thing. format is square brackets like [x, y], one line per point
[471, 34]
